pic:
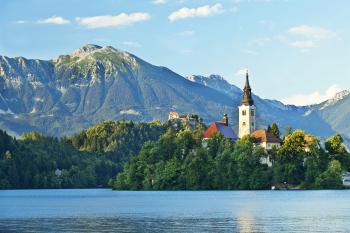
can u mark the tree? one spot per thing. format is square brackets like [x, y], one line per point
[251, 174]
[293, 148]
[337, 151]
[288, 131]
[289, 160]
[275, 130]
[225, 171]
[269, 128]
[196, 172]
[313, 170]
[331, 178]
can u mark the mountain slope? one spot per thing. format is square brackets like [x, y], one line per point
[323, 120]
[336, 112]
[73, 92]
[92, 84]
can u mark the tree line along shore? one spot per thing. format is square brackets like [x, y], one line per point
[158, 156]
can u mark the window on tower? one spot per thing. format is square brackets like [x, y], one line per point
[243, 123]
[244, 112]
[252, 112]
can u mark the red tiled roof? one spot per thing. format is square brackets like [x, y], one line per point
[173, 113]
[264, 136]
[218, 127]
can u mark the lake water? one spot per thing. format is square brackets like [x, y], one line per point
[103, 210]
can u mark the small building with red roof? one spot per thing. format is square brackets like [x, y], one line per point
[266, 139]
[222, 128]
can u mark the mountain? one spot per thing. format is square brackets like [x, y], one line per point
[323, 120]
[72, 92]
[336, 112]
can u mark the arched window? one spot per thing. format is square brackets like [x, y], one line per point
[243, 124]
[252, 112]
[244, 112]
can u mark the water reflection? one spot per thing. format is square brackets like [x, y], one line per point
[108, 211]
[119, 225]
[246, 222]
[244, 225]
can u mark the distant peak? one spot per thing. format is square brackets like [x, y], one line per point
[216, 77]
[85, 50]
[90, 47]
[200, 78]
[336, 98]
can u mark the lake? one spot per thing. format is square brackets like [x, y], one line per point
[104, 210]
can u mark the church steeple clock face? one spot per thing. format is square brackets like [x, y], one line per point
[247, 111]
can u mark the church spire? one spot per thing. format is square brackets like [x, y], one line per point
[247, 93]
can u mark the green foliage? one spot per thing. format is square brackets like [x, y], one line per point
[337, 151]
[88, 159]
[293, 148]
[118, 139]
[334, 145]
[33, 136]
[181, 162]
[32, 162]
[330, 179]
[275, 130]
[296, 158]
[288, 131]
[156, 156]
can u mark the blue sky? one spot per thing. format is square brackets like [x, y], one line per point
[297, 51]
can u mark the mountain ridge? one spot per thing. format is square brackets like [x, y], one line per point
[72, 92]
[104, 84]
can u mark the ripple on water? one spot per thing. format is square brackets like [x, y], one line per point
[108, 211]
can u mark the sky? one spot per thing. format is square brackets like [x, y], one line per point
[297, 51]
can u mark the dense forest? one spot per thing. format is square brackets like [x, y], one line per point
[87, 159]
[167, 156]
[180, 161]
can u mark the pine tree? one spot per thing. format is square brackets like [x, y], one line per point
[275, 130]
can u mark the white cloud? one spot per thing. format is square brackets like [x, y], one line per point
[21, 21]
[132, 44]
[303, 44]
[120, 20]
[54, 20]
[313, 98]
[129, 112]
[157, 2]
[203, 11]
[187, 33]
[241, 72]
[310, 36]
[315, 33]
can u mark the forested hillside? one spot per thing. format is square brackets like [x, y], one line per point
[163, 156]
[85, 160]
[179, 161]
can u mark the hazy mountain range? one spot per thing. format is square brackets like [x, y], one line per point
[72, 92]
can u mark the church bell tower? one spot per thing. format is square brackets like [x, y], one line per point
[247, 112]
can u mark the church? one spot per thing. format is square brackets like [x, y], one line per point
[246, 123]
